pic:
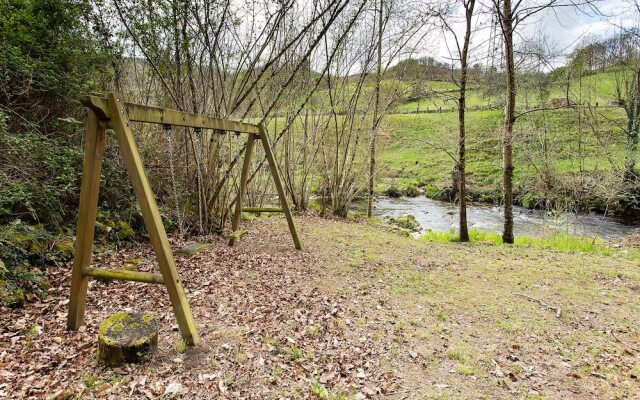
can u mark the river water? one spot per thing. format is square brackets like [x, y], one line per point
[442, 216]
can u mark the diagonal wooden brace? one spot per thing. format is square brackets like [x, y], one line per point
[153, 222]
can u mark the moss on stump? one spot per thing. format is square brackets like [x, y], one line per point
[127, 338]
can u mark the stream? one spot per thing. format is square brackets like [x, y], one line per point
[442, 216]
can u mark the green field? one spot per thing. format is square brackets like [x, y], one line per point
[598, 88]
[564, 155]
[418, 150]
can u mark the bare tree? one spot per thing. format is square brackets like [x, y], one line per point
[376, 109]
[462, 57]
[510, 18]
[227, 60]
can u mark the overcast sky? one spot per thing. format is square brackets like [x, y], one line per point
[568, 26]
[564, 28]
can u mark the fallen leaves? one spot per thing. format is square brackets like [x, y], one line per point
[265, 328]
[276, 321]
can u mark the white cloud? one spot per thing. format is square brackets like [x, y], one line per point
[564, 27]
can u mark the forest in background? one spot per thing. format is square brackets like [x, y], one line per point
[350, 102]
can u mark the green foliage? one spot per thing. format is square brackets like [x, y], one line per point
[49, 54]
[44, 184]
[47, 47]
[393, 192]
[23, 248]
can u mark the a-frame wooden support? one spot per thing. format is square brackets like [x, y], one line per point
[112, 112]
[87, 217]
[246, 166]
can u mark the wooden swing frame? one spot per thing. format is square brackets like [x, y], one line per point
[111, 112]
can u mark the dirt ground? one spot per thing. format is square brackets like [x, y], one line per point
[358, 313]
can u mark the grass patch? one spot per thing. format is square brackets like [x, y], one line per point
[457, 354]
[319, 391]
[475, 235]
[557, 241]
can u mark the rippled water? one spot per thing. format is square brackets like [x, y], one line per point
[441, 216]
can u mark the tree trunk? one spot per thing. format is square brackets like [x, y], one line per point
[462, 195]
[127, 338]
[633, 127]
[376, 110]
[509, 118]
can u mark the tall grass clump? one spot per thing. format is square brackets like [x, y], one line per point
[556, 241]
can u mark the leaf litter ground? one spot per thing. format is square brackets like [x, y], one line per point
[360, 312]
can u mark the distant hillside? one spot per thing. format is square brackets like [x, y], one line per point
[598, 90]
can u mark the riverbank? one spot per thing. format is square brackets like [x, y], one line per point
[360, 312]
[564, 160]
[442, 216]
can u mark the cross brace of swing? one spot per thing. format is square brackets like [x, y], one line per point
[111, 112]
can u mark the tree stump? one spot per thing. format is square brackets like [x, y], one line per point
[127, 338]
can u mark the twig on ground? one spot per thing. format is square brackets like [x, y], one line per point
[558, 310]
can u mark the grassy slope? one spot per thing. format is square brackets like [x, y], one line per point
[416, 147]
[597, 88]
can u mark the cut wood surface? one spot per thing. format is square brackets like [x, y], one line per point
[127, 338]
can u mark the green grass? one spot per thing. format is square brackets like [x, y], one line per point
[558, 241]
[597, 88]
[417, 151]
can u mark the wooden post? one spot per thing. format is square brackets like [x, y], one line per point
[91, 167]
[281, 194]
[244, 175]
[152, 220]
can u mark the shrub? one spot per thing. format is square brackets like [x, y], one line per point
[393, 192]
[411, 191]
[24, 250]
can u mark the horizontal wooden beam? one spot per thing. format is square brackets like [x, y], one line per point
[261, 209]
[165, 116]
[122, 275]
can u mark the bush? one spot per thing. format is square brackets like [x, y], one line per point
[411, 191]
[49, 54]
[393, 192]
[24, 251]
[43, 181]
